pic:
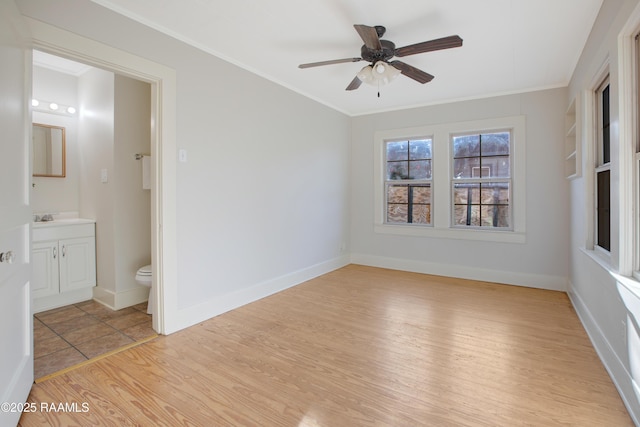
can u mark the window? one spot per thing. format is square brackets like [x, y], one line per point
[481, 182]
[408, 181]
[463, 180]
[603, 169]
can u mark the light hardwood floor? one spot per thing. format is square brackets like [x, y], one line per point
[359, 346]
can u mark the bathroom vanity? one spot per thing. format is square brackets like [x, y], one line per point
[63, 262]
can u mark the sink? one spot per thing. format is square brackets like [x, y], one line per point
[62, 222]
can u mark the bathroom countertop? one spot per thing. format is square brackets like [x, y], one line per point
[63, 222]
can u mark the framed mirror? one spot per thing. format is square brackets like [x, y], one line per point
[49, 151]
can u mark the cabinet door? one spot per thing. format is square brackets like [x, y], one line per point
[77, 263]
[44, 269]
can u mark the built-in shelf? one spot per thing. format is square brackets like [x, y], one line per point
[572, 160]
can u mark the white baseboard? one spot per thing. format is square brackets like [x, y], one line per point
[123, 299]
[540, 281]
[612, 363]
[221, 304]
[60, 300]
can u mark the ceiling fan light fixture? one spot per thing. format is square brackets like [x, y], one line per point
[366, 74]
[380, 73]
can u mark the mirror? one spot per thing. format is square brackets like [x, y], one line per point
[48, 151]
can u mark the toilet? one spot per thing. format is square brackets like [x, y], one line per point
[143, 277]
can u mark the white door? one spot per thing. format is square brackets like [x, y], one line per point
[16, 348]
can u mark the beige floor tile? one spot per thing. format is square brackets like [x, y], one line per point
[104, 313]
[141, 307]
[48, 346]
[41, 331]
[102, 345]
[122, 322]
[140, 331]
[88, 333]
[60, 314]
[92, 328]
[87, 303]
[73, 324]
[54, 362]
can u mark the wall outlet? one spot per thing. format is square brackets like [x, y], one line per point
[104, 176]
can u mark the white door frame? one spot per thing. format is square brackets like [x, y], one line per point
[162, 79]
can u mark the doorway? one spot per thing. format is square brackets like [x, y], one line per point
[162, 80]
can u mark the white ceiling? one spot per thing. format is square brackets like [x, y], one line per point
[510, 46]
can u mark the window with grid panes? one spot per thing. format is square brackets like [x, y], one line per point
[481, 182]
[408, 182]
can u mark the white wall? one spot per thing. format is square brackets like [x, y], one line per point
[54, 195]
[539, 262]
[609, 313]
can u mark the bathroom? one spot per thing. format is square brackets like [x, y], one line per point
[107, 147]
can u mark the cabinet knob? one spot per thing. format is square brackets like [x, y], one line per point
[7, 257]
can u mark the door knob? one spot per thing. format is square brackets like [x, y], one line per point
[7, 257]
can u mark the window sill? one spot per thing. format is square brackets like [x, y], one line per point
[631, 283]
[602, 258]
[452, 233]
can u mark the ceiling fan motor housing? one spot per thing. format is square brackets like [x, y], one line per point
[374, 55]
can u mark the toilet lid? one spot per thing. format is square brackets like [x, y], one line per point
[145, 271]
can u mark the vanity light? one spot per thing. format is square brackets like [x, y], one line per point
[53, 107]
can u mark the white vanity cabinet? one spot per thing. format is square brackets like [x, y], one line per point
[63, 263]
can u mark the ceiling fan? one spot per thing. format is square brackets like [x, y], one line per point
[379, 52]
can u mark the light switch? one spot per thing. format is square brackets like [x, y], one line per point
[182, 155]
[104, 176]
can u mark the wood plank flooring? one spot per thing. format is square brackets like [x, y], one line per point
[359, 346]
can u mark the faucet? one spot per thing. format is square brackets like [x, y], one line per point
[43, 218]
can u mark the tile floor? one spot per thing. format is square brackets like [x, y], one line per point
[66, 336]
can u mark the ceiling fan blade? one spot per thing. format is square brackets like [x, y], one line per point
[333, 61]
[430, 46]
[369, 36]
[355, 84]
[412, 72]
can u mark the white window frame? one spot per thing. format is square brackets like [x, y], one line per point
[633, 223]
[441, 197]
[629, 149]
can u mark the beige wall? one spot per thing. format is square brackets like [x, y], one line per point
[132, 204]
[96, 147]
